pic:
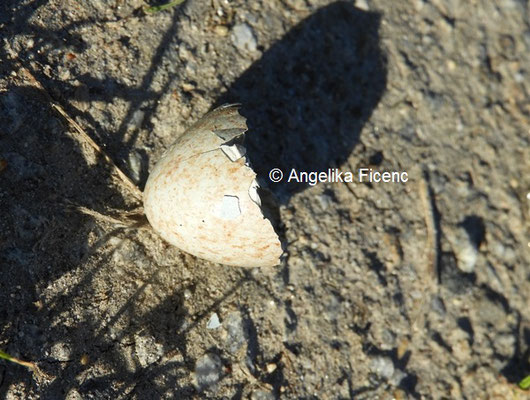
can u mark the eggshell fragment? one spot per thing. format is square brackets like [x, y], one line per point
[202, 196]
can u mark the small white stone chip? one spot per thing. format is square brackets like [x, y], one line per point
[213, 322]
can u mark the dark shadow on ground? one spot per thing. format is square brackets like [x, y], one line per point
[41, 241]
[307, 99]
[18, 21]
[518, 366]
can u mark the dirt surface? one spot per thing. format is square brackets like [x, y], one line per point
[416, 290]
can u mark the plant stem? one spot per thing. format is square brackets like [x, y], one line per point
[162, 7]
[26, 364]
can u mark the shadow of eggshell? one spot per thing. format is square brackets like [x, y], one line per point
[202, 195]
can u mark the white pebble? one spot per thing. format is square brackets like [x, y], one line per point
[208, 371]
[383, 366]
[213, 322]
[243, 37]
[147, 350]
[362, 5]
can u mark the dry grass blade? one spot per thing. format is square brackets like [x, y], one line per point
[131, 219]
[162, 7]
[84, 137]
[430, 225]
[87, 139]
[39, 374]
[432, 247]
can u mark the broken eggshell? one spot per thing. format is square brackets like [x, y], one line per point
[202, 196]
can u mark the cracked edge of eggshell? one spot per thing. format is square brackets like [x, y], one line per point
[235, 151]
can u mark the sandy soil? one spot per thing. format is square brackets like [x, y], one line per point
[416, 290]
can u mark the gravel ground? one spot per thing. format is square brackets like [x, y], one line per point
[416, 290]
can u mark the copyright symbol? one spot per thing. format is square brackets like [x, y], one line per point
[276, 175]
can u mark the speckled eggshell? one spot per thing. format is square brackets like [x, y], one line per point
[204, 203]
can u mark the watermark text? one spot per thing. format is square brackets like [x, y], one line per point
[335, 175]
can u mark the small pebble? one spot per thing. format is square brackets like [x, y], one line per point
[208, 371]
[325, 200]
[135, 166]
[60, 352]
[147, 350]
[84, 360]
[137, 119]
[188, 87]
[362, 5]
[63, 73]
[213, 322]
[383, 367]
[221, 30]
[262, 395]
[236, 333]
[504, 344]
[438, 306]
[467, 258]
[73, 395]
[243, 37]
[466, 252]
[271, 367]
